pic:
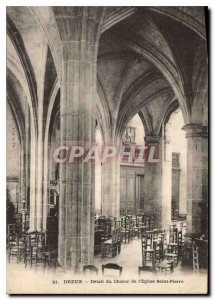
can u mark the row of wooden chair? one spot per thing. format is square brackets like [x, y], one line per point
[157, 253]
[134, 226]
[165, 267]
[30, 248]
[112, 246]
[111, 232]
[110, 266]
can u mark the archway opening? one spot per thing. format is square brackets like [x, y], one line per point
[13, 168]
[52, 225]
[176, 157]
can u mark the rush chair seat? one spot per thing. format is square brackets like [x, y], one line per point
[172, 253]
[157, 233]
[112, 267]
[165, 266]
[171, 257]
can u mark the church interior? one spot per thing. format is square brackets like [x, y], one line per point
[107, 76]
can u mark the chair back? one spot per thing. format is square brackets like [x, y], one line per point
[112, 267]
[90, 269]
[173, 235]
[36, 239]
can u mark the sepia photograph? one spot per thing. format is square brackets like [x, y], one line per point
[107, 150]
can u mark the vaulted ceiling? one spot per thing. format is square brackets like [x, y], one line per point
[148, 59]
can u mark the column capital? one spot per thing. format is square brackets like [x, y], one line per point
[152, 139]
[195, 130]
[81, 23]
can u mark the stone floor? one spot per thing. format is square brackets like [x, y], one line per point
[130, 258]
[35, 280]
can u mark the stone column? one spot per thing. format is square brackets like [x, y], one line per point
[197, 177]
[166, 178]
[33, 153]
[111, 188]
[27, 158]
[25, 163]
[40, 137]
[153, 182]
[79, 29]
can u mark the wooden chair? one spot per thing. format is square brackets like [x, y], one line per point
[25, 222]
[17, 247]
[109, 247]
[18, 221]
[172, 254]
[97, 241]
[180, 244]
[50, 260]
[158, 248]
[148, 253]
[157, 233]
[135, 228]
[12, 232]
[126, 229]
[139, 220]
[195, 259]
[90, 269]
[152, 223]
[119, 239]
[165, 267]
[146, 221]
[35, 252]
[117, 223]
[173, 235]
[150, 235]
[105, 226]
[112, 267]
[142, 231]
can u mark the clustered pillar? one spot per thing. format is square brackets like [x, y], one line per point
[197, 178]
[111, 188]
[153, 181]
[79, 29]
